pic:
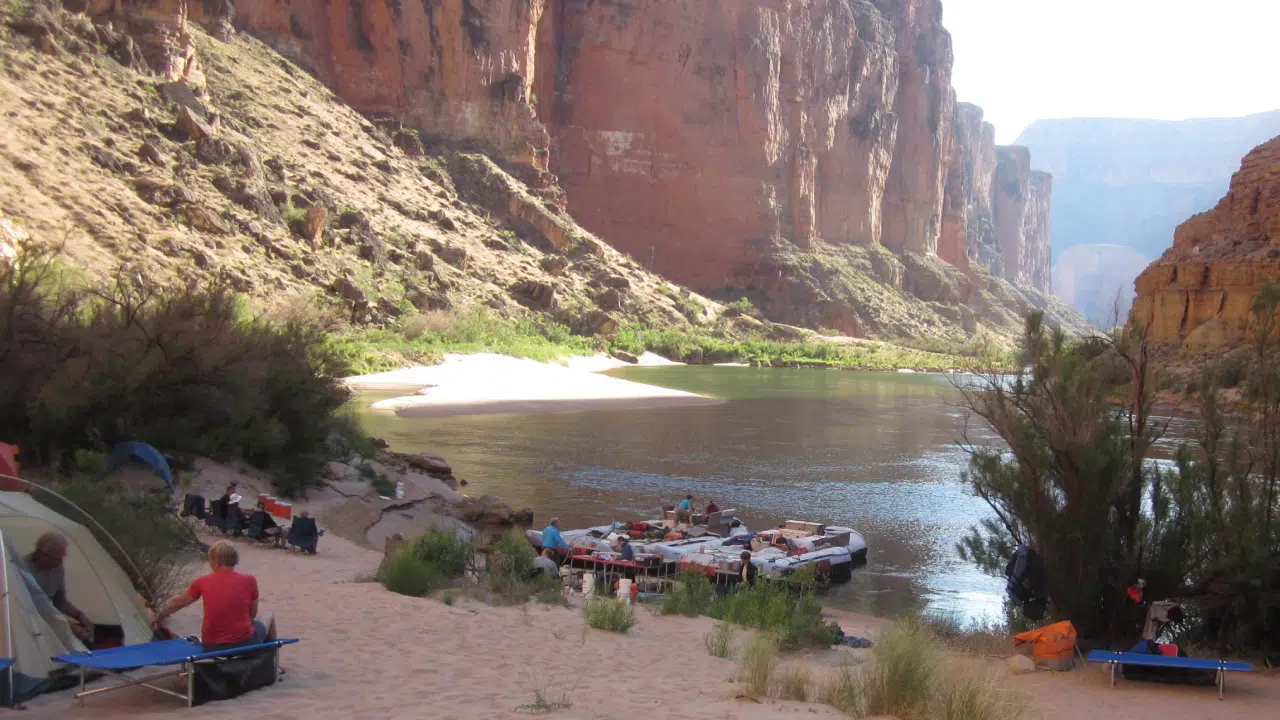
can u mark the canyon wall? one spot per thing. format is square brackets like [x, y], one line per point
[1219, 259]
[697, 136]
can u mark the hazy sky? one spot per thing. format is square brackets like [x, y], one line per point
[1024, 60]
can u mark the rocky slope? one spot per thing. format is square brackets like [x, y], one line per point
[1200, 290]
[762, 148]
[253, 173]
[1128, 184]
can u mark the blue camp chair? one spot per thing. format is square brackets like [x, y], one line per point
[1118, 660]
[187, 655]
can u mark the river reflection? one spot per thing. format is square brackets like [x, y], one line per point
[875, 451]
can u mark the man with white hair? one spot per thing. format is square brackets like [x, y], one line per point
[45, 565]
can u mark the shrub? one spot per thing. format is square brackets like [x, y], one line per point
[759, 661]
[691, 595]
[183, 368]
[510, 567]
[719, 641]
[794, 618]
[446, 550]
[604, 613]
[407, 574]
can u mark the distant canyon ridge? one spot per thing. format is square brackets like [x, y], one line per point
[1122, 186]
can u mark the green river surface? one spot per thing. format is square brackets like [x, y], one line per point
[879, 452]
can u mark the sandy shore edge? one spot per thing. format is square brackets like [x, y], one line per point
[489, 384]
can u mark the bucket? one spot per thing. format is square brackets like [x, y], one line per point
[624, 591]
[284, 509]
[588, 585]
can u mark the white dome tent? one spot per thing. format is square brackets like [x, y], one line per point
[32, 632]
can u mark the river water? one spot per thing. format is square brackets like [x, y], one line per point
[880, 452]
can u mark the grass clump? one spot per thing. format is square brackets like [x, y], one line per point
[609, 614]
[511, 574]
[907, 679]
[690, 595]
[719, 641]
[845, 693]
[900, 681]
[759, 661]
[792, 683]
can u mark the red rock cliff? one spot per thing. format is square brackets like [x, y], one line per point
[695, 135]
[1219, 258]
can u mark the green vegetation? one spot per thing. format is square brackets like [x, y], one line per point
[913, 677]
[183, 368]
[787, 611]
[424, 338]
[610, 614]
[429, 563]
[690, 595]
[719, 641]
[1077, 484]
[759, 661]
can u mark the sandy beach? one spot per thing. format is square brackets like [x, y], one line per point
[487, 383]
[369, 653]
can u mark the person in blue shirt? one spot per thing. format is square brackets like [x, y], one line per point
[552, 539]
[684, 511]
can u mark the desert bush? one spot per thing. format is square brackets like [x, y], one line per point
[183, 368]
[604, 613]
[449, 552]
[795, 619]
[759, 661]
[155, 546]
[901, 680]
[719, 641]
[509, 566]
[407, 574]
[691, 595]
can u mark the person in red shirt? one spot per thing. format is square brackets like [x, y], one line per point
[230, 604]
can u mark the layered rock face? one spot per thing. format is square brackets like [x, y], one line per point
[691, 133]
[1219, 258]
[697, 136]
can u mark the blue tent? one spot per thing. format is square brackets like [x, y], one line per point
[126, 451]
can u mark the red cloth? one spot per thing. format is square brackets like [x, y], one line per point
[1135, 594]
[228, 597]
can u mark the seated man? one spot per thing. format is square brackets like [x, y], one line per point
[625, 551]
[270, 530]
[545, 563]
[230, 604]
[712, 507]
[45, 565]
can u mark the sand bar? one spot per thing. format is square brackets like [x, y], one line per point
[486, 383]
